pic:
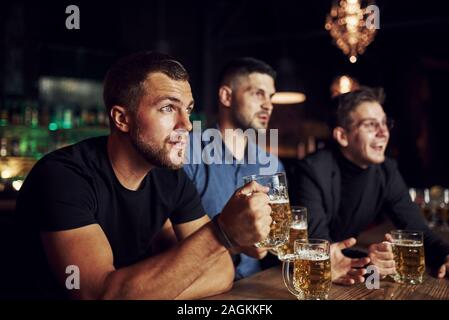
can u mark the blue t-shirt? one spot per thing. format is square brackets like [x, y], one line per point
[217, 174]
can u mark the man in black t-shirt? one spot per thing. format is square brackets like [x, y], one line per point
[114, 217]
[347, 188]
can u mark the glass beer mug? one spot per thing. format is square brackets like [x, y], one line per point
[297, 231]
[280, 208]
[408, 251]
[307, 275]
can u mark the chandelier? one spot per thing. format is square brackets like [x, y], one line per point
[348, 24]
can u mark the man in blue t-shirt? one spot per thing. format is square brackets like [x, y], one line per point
[221, 156]
[228, 153]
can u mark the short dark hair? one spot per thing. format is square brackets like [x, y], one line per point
[242, 67]
[123, 84]
[348, 102]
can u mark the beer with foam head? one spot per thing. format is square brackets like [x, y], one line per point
[312, 275]
[408, 250]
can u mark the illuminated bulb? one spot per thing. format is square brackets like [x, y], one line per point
[345, 84]
[288, 97]
[353, 59]
[17, 184]
[5, 174]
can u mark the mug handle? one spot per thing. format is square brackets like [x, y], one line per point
[288, 280]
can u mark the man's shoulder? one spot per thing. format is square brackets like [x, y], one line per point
[319, 160]
[71, 166]
[77, 156]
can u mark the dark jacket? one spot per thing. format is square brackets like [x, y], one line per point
[318, 187]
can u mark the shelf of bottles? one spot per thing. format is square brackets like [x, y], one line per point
[29, 130]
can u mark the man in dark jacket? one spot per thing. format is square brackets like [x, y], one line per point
[346, 188]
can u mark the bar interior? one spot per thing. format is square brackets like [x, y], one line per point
[344, 71]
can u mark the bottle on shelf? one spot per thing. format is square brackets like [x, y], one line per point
[4, 116]
[443, 211]
[3, 147]
[426, 208]
[35, 115]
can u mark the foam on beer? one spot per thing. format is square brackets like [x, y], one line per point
[408, 243]
[302, 225]
[312, 255]
[279, 201]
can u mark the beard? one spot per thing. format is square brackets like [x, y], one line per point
[243, 122]
[239, 118]
[157, 155]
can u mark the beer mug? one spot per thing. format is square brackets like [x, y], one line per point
[311, 276]
[408, 250]
[280, 208]
[297, 231]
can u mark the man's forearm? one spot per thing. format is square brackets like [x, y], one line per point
[217, 279]
[167, 275]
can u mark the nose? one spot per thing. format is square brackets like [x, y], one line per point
[383, 131]
[267, 105]
[184, 121]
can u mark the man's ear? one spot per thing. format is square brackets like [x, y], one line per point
[225, 95]
[341, 136]
[120, 118]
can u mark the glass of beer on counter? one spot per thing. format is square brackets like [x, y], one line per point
[280, 208]
[308, 274]
[408, 250]
[297, 231]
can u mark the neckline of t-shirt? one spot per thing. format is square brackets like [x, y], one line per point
[117, 182]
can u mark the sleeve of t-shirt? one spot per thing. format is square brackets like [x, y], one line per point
[57, 197]
[188, 206]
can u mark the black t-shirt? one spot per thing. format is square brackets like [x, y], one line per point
[76, 186]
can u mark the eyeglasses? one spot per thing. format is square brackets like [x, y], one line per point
[372, 125]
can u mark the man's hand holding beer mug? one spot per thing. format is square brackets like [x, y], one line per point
[246, 219]
[382, 257]
[406, 249]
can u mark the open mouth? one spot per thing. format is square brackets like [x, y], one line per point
[378, 148]
[178, 139]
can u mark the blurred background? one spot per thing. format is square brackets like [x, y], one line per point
[51, 77]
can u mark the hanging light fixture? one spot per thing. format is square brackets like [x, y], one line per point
[352, 27]
[343, 84]
[289, 87]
